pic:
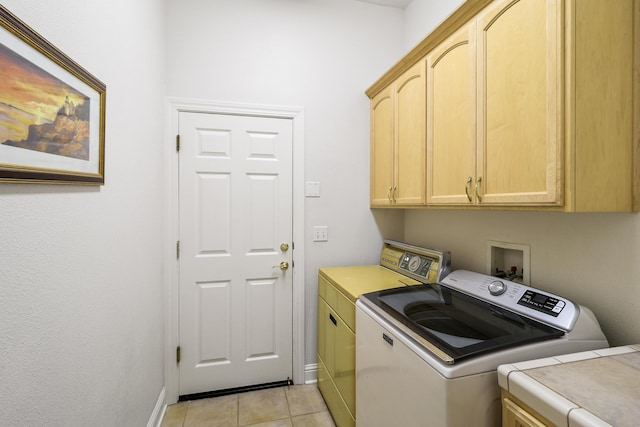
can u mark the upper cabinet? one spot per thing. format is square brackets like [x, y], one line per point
[602, 105]
[451, 120]
[398, 141]
[530, 105]
[519, 105]
[382, 150]
[493, 108]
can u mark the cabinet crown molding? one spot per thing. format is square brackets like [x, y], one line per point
[451, 24]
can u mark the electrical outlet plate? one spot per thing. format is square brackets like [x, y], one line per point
[504, 255]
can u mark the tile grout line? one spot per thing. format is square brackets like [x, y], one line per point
[288, 392]
[184, 419]
[286, 399]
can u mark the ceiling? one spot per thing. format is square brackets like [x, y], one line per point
[401, 4]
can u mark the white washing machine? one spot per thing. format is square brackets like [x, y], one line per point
[426, 355]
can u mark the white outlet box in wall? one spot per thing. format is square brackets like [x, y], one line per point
[501, 256]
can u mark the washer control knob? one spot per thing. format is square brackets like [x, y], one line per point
[497, 288]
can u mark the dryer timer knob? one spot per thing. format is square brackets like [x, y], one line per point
[497, 288]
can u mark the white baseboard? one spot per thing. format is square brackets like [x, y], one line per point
[158, 412]
[311, 373]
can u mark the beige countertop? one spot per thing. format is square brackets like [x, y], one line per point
[361, 279]
[591, 388]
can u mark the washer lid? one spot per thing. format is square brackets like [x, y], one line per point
[457, 324]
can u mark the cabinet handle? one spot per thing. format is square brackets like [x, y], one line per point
[333, 320]
[393, 193]
[389, 195]
[478, 181]
[466, 188]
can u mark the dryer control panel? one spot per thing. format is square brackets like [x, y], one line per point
[423, 264]
[416, 264]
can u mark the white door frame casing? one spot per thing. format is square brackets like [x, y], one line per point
[174, 106]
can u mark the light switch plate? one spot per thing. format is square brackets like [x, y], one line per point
[312, 189]
[320, 233]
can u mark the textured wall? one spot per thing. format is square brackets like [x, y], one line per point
[81, 285]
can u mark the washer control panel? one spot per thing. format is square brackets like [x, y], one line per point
[541, 302]
[531, 302]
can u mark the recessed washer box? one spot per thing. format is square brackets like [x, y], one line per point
[501, 256]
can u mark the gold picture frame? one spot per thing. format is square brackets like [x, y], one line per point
[52, 111]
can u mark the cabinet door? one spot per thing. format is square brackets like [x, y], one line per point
[519, 102]
[345, 363]
[382, 156]
[410, 148]
[336, 349]
[327, 336]
[322, 329]
[451, 130]
[515, 416]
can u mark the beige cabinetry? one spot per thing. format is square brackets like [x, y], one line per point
[494, 101]
[451, 123]
[338, 290]
[602, 97]
[336, 352]
[517, 414]
[398, 141]
[530, 105]
[519, 102]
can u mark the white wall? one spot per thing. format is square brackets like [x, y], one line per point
[81, 282]
[320, 55]
[422, 16]
[591, 258]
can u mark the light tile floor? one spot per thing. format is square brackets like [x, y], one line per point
[289, 406]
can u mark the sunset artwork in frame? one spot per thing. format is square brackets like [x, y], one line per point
[52, 111]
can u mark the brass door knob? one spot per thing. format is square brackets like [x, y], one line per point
[284, 265]
[284, 247]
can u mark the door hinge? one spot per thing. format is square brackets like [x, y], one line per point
[178, 354]
[178, 143]
[178, 249]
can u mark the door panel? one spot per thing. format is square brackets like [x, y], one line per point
[214, 218]
[382, 152]
[451, 138]
[410, 181]
[214, 321]
[235, 210]
[520, 97]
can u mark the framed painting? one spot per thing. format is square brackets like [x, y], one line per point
[52, 111]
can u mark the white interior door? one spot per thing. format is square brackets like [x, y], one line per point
[235, 222]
